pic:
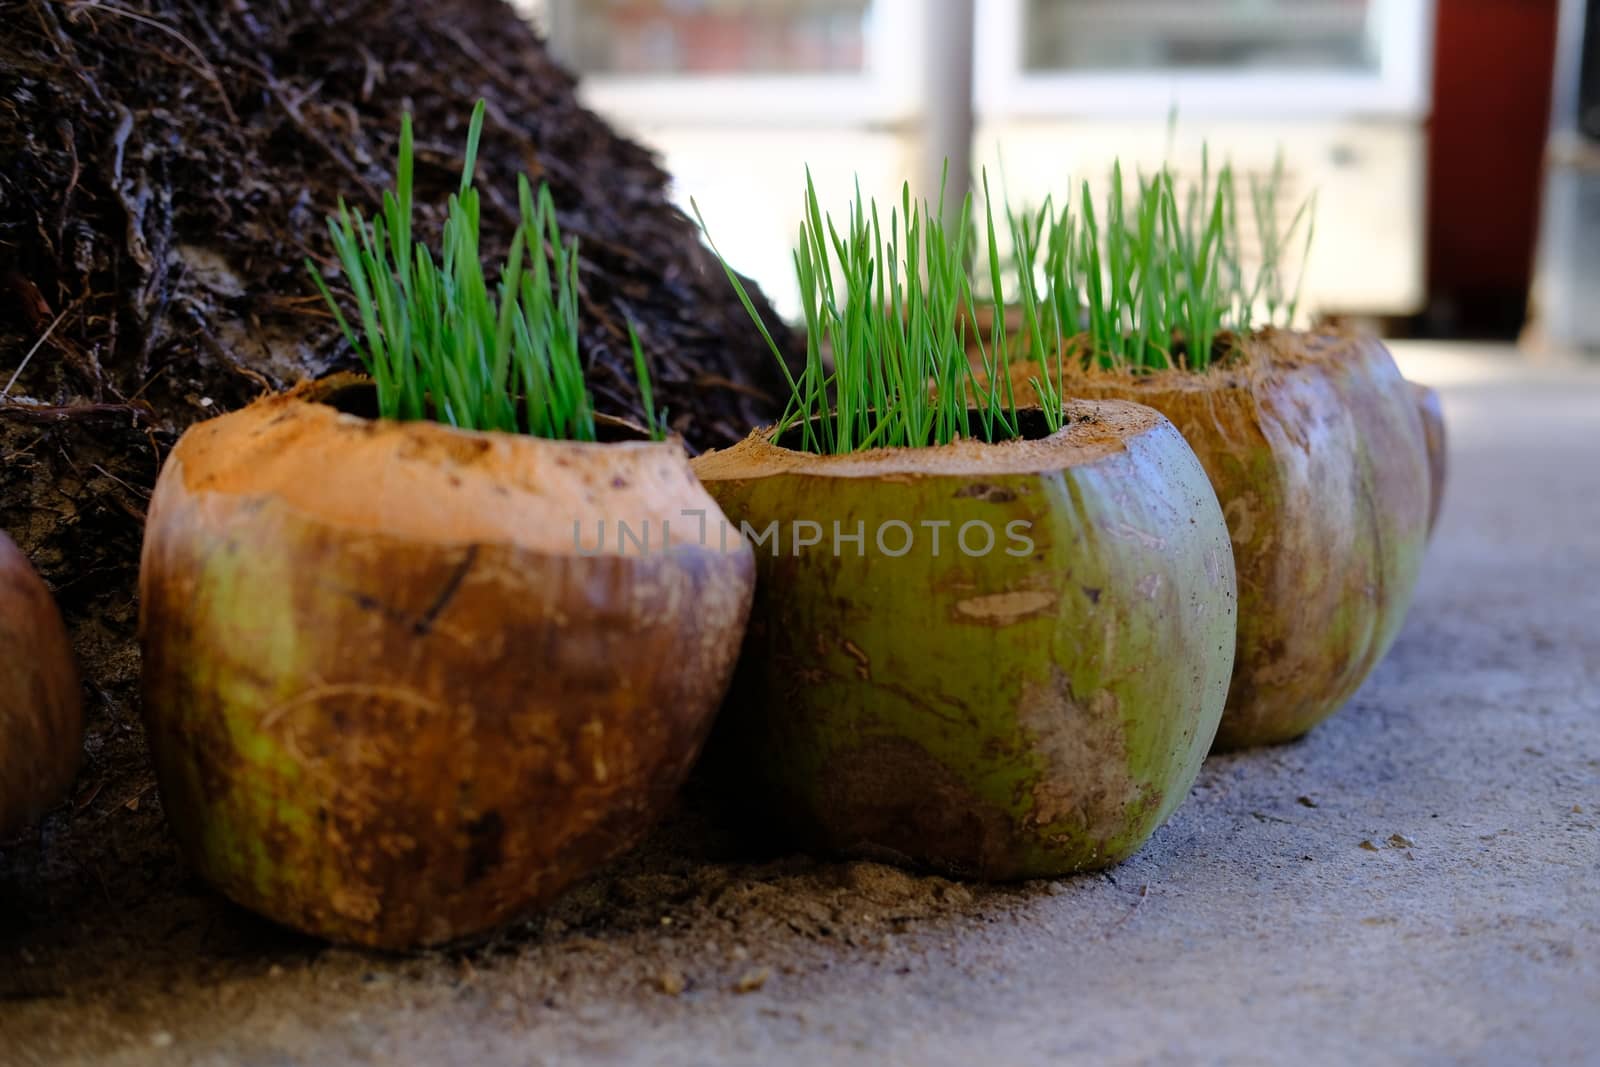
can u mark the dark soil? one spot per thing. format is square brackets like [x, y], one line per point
[165, 170]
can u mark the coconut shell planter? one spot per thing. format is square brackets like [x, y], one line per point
[405, 681]
[392, 701]
[41, 706]
[1314, 445]
[1433, 434]
[1014, 667]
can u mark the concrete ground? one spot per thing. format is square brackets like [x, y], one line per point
[1418, 881]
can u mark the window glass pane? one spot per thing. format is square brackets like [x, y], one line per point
[656, 37]
[1199, 34]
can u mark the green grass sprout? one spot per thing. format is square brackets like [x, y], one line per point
[439, 342]
[1156, 279]
[888, 304]
[1146, 281]
[655, 421]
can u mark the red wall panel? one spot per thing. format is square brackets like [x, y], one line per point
[1491, 105]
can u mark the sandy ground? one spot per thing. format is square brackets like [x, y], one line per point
[1418, 881]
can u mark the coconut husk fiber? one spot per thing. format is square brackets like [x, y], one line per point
[165, 169]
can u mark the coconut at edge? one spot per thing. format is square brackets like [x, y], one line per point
[41, 705]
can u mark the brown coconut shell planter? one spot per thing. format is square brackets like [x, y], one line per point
[1433, 434]
[980, 708]
[41, 705]
[391, 700]
[1315, 446]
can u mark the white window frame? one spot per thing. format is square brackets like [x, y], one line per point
[886, 93]
[1399, 89]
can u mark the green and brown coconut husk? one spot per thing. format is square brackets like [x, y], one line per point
[392, 700]
[1315, 446]
[1433, 432]
[41, 706]
[1009, 713]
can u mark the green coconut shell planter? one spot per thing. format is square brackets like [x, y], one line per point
[390, 699]
[41, 705]
[1029, 697]
[1315, 447]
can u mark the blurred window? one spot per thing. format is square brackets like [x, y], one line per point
[742, 98]
[1589, 75]
[655, 37]
[1106, 35]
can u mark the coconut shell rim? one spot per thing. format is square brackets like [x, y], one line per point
[1258, 354]
[316, 391]
[228, 477]
[757, 456]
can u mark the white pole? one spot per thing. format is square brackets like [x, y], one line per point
[947, 96]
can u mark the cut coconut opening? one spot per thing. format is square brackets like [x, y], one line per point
[1091, 430]
[1250, 357]
[357, 397]
[1031, 426]
[351, 398]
